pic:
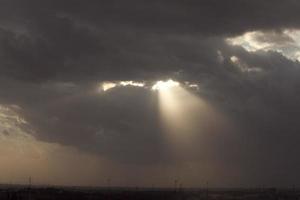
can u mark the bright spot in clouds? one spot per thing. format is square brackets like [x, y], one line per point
[159, 85]
[165, 85]
[243, 66]
[286, 42]
[132, 83]
[108, 85]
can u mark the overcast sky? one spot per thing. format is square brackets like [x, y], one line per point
[240, 58]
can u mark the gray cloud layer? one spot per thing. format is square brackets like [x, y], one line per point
[54, 53]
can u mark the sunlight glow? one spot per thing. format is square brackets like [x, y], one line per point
[132, 83]
[161, 85]
[165, 85]
[187, 120]
[181, 114]
[108, 85]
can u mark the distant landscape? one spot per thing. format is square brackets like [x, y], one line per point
[19, 192]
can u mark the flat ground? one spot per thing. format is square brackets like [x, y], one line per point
[77, 193]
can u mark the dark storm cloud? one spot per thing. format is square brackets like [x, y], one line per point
[119, 39]
[53, 54]
[212, 17]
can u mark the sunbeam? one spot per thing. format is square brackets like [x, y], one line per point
[186, 119]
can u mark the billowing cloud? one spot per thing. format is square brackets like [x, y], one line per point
[285, 42]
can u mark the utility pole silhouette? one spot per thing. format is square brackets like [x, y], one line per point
[29, 182]
[180, 187]
[206, 189]
[29, 188]
[175, 184]
[108, 181]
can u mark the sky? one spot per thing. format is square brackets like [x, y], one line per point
[142, 93]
